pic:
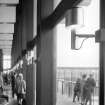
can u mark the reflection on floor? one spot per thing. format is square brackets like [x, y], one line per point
[61, 99]
[65, 100]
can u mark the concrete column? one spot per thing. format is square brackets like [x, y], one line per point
[30, 84]
[17, 32]
[1, 60]
[46, 70]
[24, 40]
[29, 19]
[102, 54]
[14, 46]
[28, 31]
[46, 65]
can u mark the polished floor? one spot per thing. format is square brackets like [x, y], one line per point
[66, 100]
[61, 99]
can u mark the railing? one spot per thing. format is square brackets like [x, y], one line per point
[66, 87]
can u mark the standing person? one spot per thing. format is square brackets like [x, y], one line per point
[1, 88]
[77, 89]
[13, 83]
[1, 84]
[21, 89]
[83, 80]
[17, 80]
[1, 80]
[89, 88]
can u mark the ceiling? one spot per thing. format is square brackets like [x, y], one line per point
[7, 20]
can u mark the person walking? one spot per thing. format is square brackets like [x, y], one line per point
[77, 90]
[13, 83]
[21, 90]
[17, 80]
[83, 80]
[1, 80]
[2, 88]
[89, 89]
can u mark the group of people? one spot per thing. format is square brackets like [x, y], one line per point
[18, 86]
[1, 89]
[84, 89]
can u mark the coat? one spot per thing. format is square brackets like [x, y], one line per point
[88, 88]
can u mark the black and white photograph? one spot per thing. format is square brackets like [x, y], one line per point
[52, 52]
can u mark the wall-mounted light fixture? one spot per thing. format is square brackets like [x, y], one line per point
[74, 21]
[83, 3]
[75, 18]
[74, 36]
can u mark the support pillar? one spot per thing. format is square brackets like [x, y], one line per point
[30, 84]
[102, 55]
[29, 10]
[46, 55]
[46, 70]
[1, 60]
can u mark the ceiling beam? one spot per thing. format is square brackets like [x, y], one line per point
[6, 28]
[11, 2]
[5, 39]
[7, 14]
[5, 47]
[6, 36]
[58, 13]
[5, 43]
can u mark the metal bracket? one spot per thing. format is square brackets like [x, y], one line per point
[73, 39]
[100, 35]
[85, 35]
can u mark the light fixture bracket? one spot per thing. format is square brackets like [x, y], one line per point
[100, 35]
[81, 3]
[73, 39]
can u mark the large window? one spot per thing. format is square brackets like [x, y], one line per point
[6, 62]
[72, 64]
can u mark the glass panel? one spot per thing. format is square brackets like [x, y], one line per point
[74, 64]
[6, 62]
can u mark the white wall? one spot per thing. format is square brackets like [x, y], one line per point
[87, 56]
